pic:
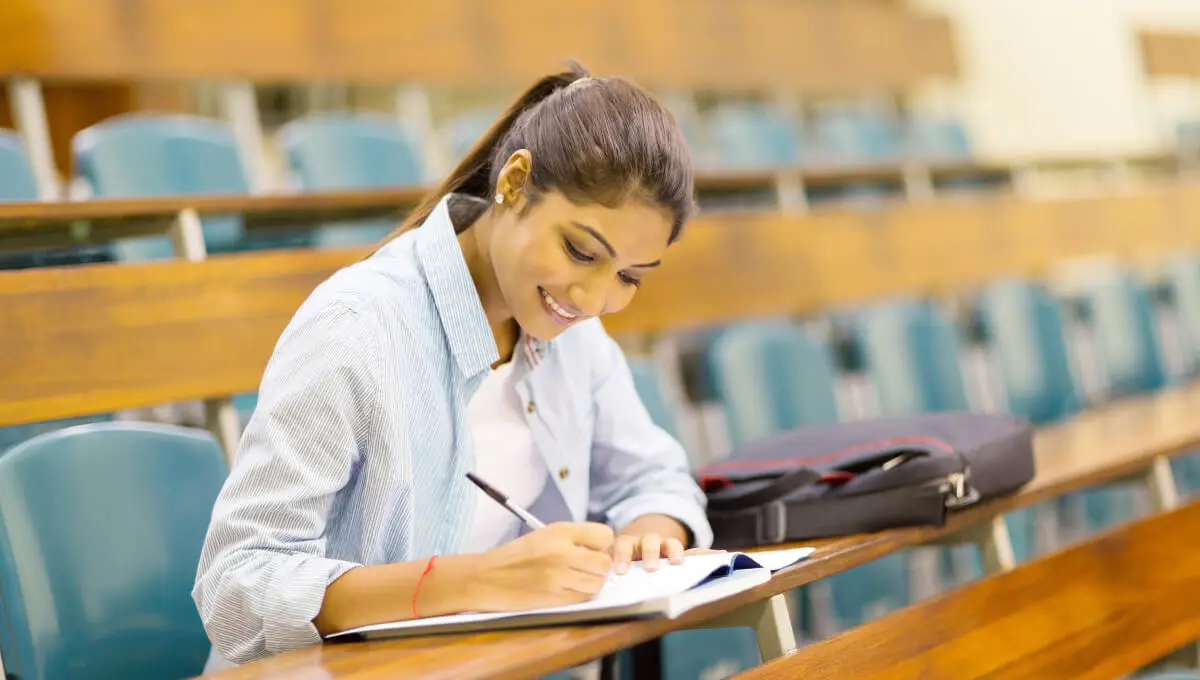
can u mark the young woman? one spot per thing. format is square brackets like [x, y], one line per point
[469, 342]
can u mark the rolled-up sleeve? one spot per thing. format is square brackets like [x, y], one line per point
[263, 571]
[637, 467]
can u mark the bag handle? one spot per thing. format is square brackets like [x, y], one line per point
[786, 484]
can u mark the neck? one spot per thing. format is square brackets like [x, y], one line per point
[472, 242]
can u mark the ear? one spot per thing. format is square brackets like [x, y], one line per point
[513, 177]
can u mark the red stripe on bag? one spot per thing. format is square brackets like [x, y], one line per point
[813, 460]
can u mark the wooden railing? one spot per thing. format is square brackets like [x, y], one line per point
[179, 330]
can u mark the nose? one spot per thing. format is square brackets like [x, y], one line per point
[589, 297]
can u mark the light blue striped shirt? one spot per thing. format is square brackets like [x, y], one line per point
[357, 451]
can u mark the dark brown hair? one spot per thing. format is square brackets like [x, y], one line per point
[595, 140]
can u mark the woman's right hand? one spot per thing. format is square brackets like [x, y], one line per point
[564, 563]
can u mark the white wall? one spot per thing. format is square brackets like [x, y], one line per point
[1062, 77]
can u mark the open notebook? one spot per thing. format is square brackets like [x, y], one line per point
[668, 592]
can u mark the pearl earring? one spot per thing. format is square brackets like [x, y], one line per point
[499, 198]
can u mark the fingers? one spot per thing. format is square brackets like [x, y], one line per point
[583, 583]
[592, 535]
[625, 551]
[591, 561]
[673, 549]
[651, 550]
[701, 551]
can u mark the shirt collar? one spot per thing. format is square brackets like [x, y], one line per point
[458, 306]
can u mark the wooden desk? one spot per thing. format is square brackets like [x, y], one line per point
[1098, 610]
[1108, 444]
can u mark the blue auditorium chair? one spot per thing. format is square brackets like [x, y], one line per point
[855, 137]
[911, 354]
[332, 152]
[16, 175]
[1181, 273]
[649, 387]
[1118, 311]
[100, 534]
[462, 131]
[748, 135]
[937, 139]
[17, 183]
[772, 376]
[1022, 327]
[139, 155]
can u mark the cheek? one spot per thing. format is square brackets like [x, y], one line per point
[619, 297]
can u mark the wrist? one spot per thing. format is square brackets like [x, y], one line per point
[448, 588]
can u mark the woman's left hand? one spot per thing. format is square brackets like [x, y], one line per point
[650, 538]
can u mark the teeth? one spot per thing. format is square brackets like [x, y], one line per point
[556, 307]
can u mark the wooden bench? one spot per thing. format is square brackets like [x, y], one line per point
[1098, 447]
[1098, 610]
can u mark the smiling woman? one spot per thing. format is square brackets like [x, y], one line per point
[468, 342]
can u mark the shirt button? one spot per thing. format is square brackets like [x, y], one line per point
[563, 473]
[530, 407]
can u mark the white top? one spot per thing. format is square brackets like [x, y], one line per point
[505, 457]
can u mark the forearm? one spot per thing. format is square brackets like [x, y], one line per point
[375, 594]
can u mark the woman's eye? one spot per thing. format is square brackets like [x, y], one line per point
[629, 280]
[575, 253]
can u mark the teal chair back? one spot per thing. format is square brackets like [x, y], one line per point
[753, 136]
[938, 139]
[332, 152]
[1024, 329]
[163, 155]
[770, 377]
[15, 434]
[462, 131]
[857, 137]
[648, 383]
[16, 184]
[1181, 273]
[100, 534]
[1120, 314]
[16, 174]
[911, 353]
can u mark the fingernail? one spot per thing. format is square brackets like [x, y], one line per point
[622, 567]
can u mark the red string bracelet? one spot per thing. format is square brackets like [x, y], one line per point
[417, 590]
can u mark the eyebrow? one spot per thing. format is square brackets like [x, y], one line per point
[608, 246]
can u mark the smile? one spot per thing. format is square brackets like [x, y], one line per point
[556, 311]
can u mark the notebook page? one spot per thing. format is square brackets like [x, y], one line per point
[774, 560]
[633, 587]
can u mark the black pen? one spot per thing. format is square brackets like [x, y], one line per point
[529, 520]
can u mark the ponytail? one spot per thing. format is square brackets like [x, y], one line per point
[472, 175]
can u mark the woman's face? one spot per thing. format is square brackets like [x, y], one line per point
[559, 263]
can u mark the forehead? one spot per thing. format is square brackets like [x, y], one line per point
[638, 232]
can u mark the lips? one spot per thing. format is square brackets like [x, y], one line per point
[556, 311]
